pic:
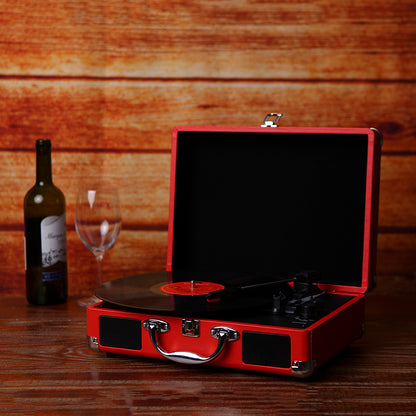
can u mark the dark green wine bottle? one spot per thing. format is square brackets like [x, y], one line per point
[45, 235]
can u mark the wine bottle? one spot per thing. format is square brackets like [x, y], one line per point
[45, 235]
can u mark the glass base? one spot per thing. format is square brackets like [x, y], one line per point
[84, 302]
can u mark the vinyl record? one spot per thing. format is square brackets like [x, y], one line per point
[178, 292]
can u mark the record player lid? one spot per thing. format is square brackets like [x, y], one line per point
[261, 200]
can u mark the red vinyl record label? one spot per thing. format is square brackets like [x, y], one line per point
[191, 288]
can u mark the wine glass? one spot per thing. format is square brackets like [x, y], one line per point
[98, 224]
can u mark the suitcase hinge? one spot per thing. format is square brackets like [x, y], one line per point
[272, 123]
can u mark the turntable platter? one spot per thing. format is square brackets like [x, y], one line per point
[176, 292]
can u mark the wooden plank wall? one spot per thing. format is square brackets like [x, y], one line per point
[107, 80]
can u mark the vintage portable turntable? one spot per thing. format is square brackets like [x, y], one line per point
[271, 249]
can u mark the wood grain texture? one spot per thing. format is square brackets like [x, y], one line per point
[107, 82]
[139, 115]
[146, 251]
[134, 252]
[47, 369]
[143, 180]
[398, 192]
[396, 253]
[319, 39]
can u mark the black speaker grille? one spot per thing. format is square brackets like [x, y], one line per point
[120, 332]
[266, 349]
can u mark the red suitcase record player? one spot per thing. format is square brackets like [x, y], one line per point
[271, 249]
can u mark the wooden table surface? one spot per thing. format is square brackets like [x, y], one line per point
[48, 369]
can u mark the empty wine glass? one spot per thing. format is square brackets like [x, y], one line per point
[98, 224]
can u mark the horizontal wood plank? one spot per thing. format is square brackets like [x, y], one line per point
[398, 192]
[146, 251]
[139, 115]
[143, 180]
[320, 39]
[134, 252]
[396, 254]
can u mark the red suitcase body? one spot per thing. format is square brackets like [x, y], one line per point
[263, 201]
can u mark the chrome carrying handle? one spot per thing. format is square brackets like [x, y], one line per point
[223, 334]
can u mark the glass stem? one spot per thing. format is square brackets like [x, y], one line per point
[99, 258]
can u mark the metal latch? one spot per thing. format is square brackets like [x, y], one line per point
[190, 328]
[272, 123]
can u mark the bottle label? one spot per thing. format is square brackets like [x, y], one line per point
[50, 276]
[53, 240]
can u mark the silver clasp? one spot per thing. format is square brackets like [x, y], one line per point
[272, 123]
[190, 328]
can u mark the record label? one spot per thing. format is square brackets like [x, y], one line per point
[191, 288]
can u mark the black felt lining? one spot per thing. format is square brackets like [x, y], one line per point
[271, 203]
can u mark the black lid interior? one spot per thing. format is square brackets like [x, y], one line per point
[270, 203]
